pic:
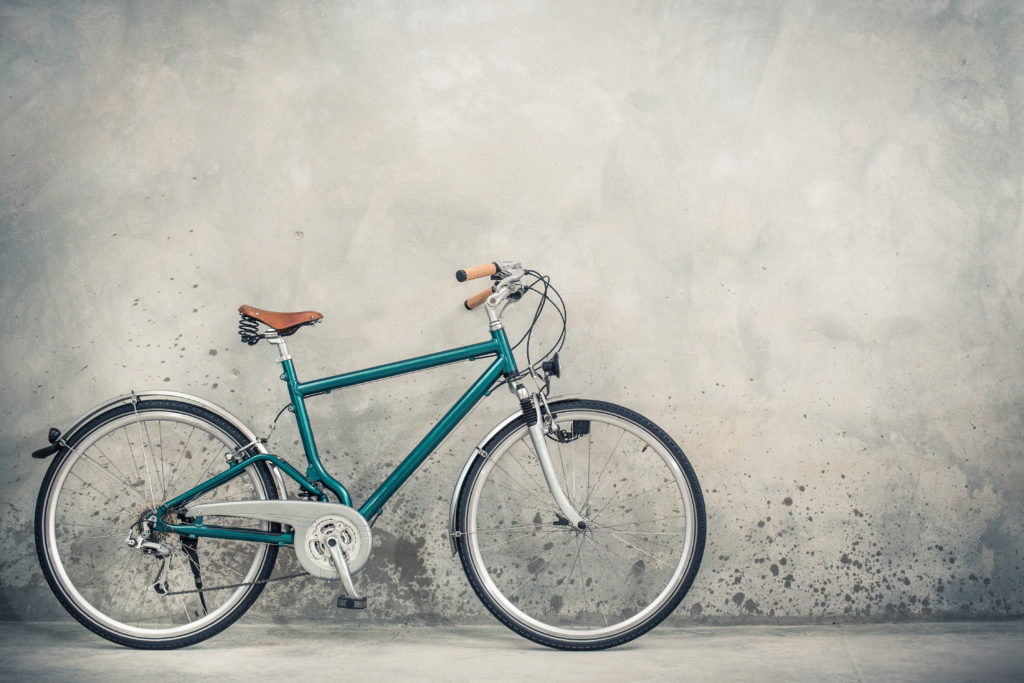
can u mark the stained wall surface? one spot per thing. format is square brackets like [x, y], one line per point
[789, 232]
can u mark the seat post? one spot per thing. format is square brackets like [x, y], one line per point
[282, 349]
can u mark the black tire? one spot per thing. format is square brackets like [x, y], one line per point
[598, 587]
[128, 460]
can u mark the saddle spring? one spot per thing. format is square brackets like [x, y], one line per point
[248, 330]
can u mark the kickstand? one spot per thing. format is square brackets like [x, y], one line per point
[190, 547]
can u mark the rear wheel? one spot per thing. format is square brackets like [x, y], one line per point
[116, 471]
[589, 588]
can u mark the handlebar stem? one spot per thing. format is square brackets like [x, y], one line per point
[508, 286]
[491, 305]
[512, 272]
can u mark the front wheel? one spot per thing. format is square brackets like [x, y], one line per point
[95, 539]
[592, 588]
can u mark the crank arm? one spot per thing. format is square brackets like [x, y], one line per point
[342, 566]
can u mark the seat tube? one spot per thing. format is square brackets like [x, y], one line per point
[315, 472]
[299, 408]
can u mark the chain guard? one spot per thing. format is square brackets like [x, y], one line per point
[313, 523]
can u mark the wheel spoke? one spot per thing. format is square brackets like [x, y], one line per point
[544, 564]
[518, 527]
[632, 501]
[177, 465]
[672, 548]
[549, 505]
[92, 486]
[123, 485]
[531, 457]
[643, 521]
[656, 559]
[575, 562]
[597, 482]
[511, 540]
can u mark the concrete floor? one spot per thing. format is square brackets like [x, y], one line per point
[992, 651]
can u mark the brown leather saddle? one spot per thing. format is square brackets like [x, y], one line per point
[283, 323]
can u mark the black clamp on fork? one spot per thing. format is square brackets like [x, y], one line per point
[536, 404]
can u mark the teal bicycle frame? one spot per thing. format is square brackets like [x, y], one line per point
[317, 478]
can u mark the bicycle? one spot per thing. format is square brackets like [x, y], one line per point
[580, 524]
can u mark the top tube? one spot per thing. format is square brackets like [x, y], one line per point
[504, 365]
[471, 352]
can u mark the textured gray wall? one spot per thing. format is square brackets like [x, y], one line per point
[790, 232]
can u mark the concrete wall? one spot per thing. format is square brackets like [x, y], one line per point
[790, 232]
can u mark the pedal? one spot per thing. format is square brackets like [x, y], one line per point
[346, 602]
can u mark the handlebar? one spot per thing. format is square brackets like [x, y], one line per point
[477, 299]
[477, 272]
[506, 275]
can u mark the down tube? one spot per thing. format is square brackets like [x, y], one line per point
[431, 441]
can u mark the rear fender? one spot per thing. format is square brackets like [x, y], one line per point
[220, 412]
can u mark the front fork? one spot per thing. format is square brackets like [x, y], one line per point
[531, 406]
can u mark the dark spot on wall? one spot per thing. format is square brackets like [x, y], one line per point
[738, 599]
[787, 501]
[212, 352]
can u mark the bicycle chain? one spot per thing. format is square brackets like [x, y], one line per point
[235, 585]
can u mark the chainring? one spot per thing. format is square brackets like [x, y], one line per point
[354, 538]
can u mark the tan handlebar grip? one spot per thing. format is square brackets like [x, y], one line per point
[476, 271]
[477, 299]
